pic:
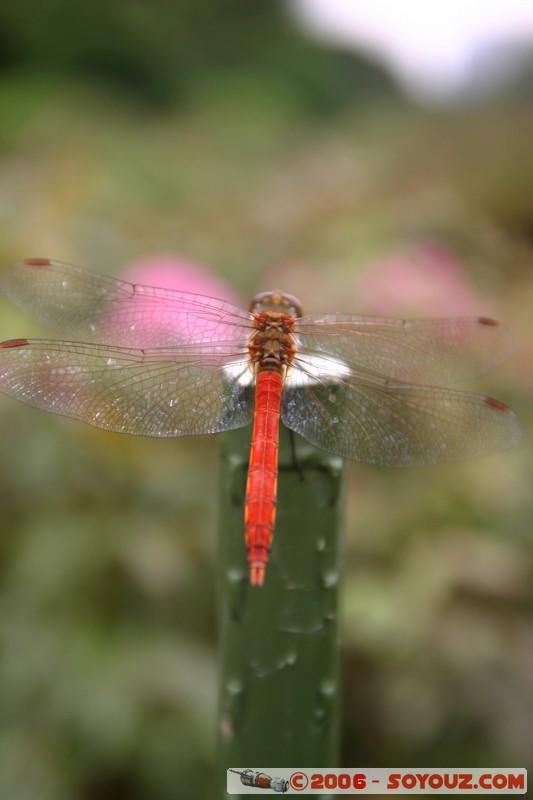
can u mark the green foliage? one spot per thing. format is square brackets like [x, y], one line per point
[162, 52]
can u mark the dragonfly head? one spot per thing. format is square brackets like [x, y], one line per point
[276, 301]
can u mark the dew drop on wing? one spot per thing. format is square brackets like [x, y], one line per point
[240, 402]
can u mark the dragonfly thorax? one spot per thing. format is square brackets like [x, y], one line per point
[272, 345]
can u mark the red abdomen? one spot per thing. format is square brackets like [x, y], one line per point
[261, 487]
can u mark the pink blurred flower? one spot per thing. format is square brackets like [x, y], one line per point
[429, 281]
[155, 320]
[167, 271]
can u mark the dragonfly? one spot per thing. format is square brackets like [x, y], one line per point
[156, 362]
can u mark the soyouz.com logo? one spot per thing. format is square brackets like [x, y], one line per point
[376, 781]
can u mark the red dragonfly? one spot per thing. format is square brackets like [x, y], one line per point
[157, 362]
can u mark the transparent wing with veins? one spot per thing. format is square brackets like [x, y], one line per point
[88, 307]
[390, 423]
[428, 351]
[148, 361]
[359, 388]
[140, 392]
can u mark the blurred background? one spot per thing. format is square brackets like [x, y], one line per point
[365, 160]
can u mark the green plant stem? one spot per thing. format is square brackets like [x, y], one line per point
[279, 644]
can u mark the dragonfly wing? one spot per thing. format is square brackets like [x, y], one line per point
[143, 392]
[429, 351]
[95, 308]
[395, 424]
